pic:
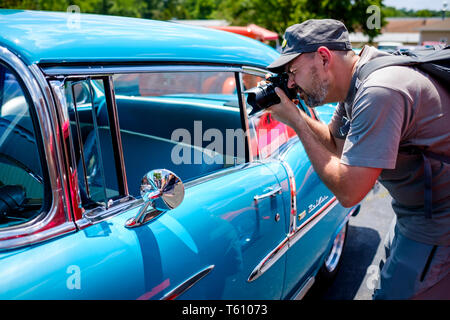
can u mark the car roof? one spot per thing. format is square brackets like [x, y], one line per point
[60, 37]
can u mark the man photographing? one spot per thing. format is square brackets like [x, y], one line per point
[392, 109]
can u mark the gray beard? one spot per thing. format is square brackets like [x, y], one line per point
[318, 98]
[320, 91]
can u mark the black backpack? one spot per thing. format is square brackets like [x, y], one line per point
[437, 64]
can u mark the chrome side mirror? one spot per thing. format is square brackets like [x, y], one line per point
[161, 190]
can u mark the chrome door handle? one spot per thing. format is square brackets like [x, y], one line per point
[273, 192]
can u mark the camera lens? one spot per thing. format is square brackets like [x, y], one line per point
[265, 96]
[262, 97]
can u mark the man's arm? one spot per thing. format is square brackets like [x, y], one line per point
[324, 135]
[349, 184]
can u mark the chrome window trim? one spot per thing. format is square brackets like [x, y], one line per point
[255, 71]
[101, 213]
[86, 70]
[61, 109]
[249, 133]
[244, 115]
[56, 76]
[117, 140]
[59, 156]
[27, 233]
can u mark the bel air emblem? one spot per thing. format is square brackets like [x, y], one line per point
[319, 201]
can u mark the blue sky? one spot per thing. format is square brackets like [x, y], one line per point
[417, 4]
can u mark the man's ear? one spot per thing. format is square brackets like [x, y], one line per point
[326, 56]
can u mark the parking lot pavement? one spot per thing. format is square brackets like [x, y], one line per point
[364, 249]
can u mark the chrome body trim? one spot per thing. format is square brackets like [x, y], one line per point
[29, 232]
[293, 193]
[54, 232]
[300, 294]
[269, 260]
[290, 240]
[312, 221]
[187, 284]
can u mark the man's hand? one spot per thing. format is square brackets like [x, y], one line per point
[286, 111]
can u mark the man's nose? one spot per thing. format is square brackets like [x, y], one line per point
[291, 83]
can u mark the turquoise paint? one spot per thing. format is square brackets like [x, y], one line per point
[49, 37]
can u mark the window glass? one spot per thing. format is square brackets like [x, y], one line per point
[267, 134]
[21, 178]
[187, 122]
[91, 134]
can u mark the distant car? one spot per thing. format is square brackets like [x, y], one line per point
[389, 46]
[130, 168]
[357, 50]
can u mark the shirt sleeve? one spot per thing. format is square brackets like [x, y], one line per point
[338, 121]
[375, 128]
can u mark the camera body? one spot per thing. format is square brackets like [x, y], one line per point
[265, 96]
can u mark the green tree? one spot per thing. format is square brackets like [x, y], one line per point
[132, 8]
[277, 15]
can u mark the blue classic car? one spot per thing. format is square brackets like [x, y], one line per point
[131, 169]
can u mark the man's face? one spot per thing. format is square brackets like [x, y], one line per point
[304, 76]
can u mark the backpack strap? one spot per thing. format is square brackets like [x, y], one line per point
[383, 62]
[435, 63]
[426, 155]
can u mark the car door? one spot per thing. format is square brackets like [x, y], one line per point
[214, 239]
[315, 215]
[43, 254]
[233, 212]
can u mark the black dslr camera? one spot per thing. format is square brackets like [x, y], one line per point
[265, 96]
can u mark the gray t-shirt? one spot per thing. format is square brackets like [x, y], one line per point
[399, 107]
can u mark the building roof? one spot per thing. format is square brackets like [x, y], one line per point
[56, 37]
[410, 25]
[442, 25]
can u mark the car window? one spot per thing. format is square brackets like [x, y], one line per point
[92, 141]
[267, 134]
[21, 176]
[187, 122]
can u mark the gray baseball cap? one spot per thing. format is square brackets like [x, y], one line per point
[308, 36]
